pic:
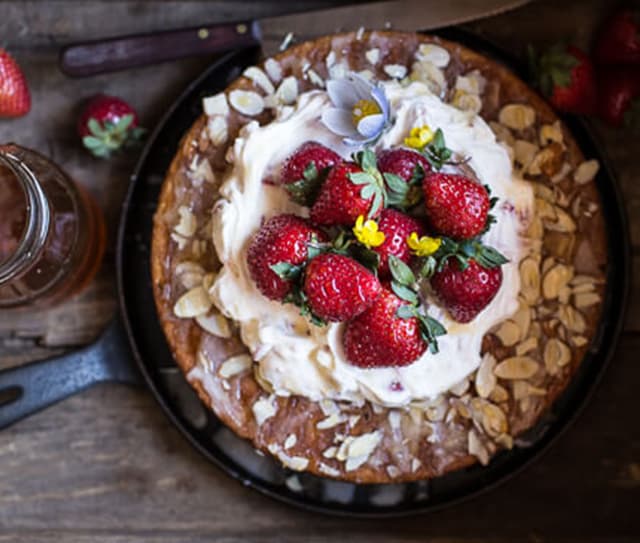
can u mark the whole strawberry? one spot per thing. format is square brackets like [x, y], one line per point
[619, 39]
[619, 95]
[380, 338]
[350, 190]
[107, 124]
[566, 76]
[15, 99]
[305, 170]
[456, 206]
[277, 252]
[338, 288]
[396, 227]
[466, 292]
[403, 171]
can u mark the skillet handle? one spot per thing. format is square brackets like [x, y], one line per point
[27, 389]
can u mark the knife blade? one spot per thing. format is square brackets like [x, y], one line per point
[119, 53]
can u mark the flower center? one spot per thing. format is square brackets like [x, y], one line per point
[419, 137]
[364, 108]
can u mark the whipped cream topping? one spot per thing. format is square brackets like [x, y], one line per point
[297, 357]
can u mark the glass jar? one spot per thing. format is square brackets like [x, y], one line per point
[52, 234]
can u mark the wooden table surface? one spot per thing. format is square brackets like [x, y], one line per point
[107, 466]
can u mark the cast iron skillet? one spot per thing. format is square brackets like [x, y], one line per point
[135, 334]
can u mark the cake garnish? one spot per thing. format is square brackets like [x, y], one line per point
[360, 112]
[368, 232]
[403, 171]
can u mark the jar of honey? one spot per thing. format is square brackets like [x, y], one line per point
[52, 234]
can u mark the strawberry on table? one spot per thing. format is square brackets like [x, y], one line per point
[338, 288]
[456, 206]
[107, 124]
[396, 227]
[380, 338]
[618, 41]
[277, 253]
[350, 190]
[305, 169]
[566, 76]
[465, 291]
[619, 98]
[15, 99]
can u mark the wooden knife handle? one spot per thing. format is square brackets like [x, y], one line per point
[109, 55]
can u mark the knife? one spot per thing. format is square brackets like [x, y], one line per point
[112, 54]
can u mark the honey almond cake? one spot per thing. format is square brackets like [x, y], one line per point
[379, 256]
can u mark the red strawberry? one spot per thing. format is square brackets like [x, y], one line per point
[566, 76]
[456, 206]
[282, 239]
[397, 227]
[305, 169]
[466, 292]
[108, 123]
[619, 99]
[619, 39]
[15, 100]
[380, 338]
[338, 288]
[340, 201]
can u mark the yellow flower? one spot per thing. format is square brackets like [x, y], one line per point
[424, 246]
[419, 137]
[367, 232]
[364, 108]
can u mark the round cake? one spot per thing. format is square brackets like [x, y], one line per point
[379, 256]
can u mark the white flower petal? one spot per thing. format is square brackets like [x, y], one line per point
[361, 86]
[339, 121]
[342, 93]
[371, 125]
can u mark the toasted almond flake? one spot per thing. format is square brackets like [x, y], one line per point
[494, 420]
[328, 407]
[215, 324]
[248, 103]
[396, 71]
[476, 448]
[460, 387]
[273, 69]
[556, 279]
[315, 78]
[192, 303]
[509, 333]
[516, 367]
[579, 341]
[584, 279]
[550, 133]
[415, 464]
[472, 82]
[556, 353]
[435, 413]
[502, 133]
[394, 418]
[545, 210]
[565, 169]
[296, 463]
[465, 101]
[586, 171]
[547, 161]
[355, 462]
[526, 346]
[217, 128]
[364, 444]
[564, 294]
[504, 440]
[563, 223]
[180, 241]
[332, 420]
[517, 116]
[485, 380]
[572, 319]
[291, 440]
[263, 409]
[373, 55]
[530, 278]
[330, 452]
[429, 74]
[392, 471]
[287, 92]
[331, 59]
[360, 33]
[286, 41]
[260, 78]
[328, 470]
[523, 152]
[522, 389]
[216, 105]
[235, 365]
[547, 264]
[187, 224]
[499, 394]
[586, 299]
[435, 54]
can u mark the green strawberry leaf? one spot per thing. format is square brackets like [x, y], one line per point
[406, 311]
[437, 152]
[360, 178]
[91, 142]
[304, 191]
[428, 267]
[287, 271]
[96, 128]
[124, 122]
[367, 192]
[401, 272]
[395, 183]
[431, 329]
[367, 257]
[404, 293]
[488, 257]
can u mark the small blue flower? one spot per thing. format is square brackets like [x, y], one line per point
[361, 109]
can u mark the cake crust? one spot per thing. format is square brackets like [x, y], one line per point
[482, 415]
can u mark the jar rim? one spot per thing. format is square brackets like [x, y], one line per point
[38, 216]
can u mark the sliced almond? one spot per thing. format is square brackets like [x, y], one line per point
[485, 380]
[438, 56]
[259, 78]
[460, 388]
[522, 318]
[291, 440]
[263, 409]
[555, 279]
[315, 78]
[547, 161]
[499, 394]
[360, 448]
[586, 172]
[273, 69]
[561, 175]
[395, 71]
[572, 319]
[187, 224]
[476, 448]
[192, 303]
[522, 389]
[562, 223]
[472, 83]
[215, 323]
[517, 116]
[430, 74]
[586, 299]
[218, 130]
[248, 103]
[216, 105]
[524, 152]
[494, 420]
[530, 279]
[516, 367]
[584, 279]
[328, 470]
[526, 346]
[330, 452]
[556, 353]
[332, 420]
[287, 92]
[550, 133]
[503, 134]
[373, 56]
[466, 101]
[579, 341]
[509, 333]
[296, 463]
[235, 365]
